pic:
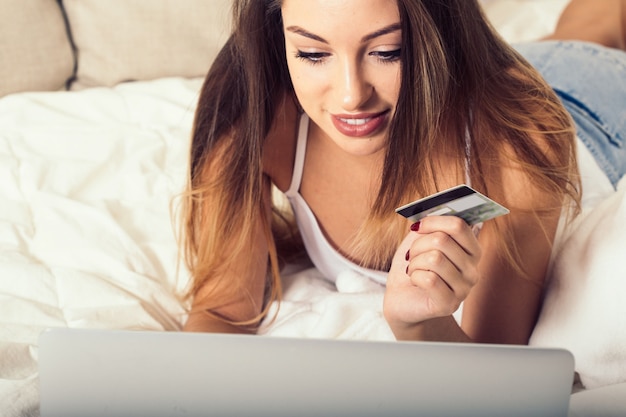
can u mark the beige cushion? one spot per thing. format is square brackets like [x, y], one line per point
[124, 40]
[35, 51]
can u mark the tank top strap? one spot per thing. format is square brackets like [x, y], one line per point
[298, 164]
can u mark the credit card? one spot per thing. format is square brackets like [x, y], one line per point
[461, 201]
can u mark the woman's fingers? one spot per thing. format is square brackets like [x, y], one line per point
[455, 228]
[443, 258]
[434, 270]
[447, 247]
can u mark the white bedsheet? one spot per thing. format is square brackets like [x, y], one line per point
[86, 233]
[86, 240]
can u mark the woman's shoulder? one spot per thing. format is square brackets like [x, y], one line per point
[280, 144]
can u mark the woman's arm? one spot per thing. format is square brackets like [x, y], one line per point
[445, 266]
[504, 305]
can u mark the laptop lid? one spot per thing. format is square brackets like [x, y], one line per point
[136, 373]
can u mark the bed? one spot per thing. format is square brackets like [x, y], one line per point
[96, 105]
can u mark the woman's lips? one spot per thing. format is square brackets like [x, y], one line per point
[359, 125]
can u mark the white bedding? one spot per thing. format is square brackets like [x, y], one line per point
[86, 236]
[86, 239]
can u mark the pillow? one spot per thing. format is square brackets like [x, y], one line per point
[35, 51]
[584, 310]
[124, 40]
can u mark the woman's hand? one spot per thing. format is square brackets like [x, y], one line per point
[433, 271]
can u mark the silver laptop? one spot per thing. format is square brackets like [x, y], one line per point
[85, 373]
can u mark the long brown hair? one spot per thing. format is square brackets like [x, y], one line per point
[461, 83]
[237, 104]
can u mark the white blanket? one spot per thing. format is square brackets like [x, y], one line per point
[86, 239]
[86, 235]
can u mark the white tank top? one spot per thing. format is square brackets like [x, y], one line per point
[324, 256]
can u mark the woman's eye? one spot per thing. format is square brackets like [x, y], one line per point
[387, 56]
[311, 57]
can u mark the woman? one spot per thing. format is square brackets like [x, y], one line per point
[353, 108]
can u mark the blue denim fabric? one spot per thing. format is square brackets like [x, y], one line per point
[591, 82]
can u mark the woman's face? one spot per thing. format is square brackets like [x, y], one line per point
[344, 61]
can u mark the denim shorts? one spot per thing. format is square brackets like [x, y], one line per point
[590, 80]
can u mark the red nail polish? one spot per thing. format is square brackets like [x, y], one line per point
[407, 270]
[415, 226]
[408, 255]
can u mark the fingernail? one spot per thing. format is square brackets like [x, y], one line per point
[408, 255]
[407, 270]
[415, 226]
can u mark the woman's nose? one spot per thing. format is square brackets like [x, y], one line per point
[354, 89]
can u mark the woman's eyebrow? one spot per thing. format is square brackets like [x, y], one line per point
[298, 30]
[383, 31]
